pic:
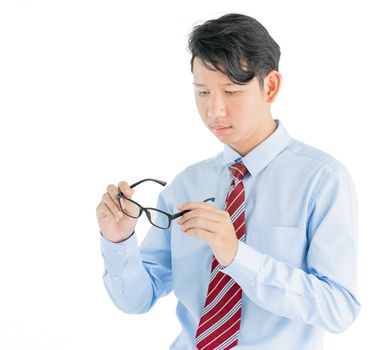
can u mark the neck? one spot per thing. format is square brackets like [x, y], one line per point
[264, 133]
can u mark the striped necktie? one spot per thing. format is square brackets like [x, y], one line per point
[219, 325]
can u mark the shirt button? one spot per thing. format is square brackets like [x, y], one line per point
[116, 277]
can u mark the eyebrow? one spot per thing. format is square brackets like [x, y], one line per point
[226, 84]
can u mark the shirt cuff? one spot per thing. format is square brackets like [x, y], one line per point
[115, 255]
[246, 266]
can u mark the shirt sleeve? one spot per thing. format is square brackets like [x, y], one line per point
[135, 277]
[325, 294]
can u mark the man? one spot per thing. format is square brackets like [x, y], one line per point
[272, 263]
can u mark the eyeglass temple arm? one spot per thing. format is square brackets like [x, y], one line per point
[176, 215]
[163, 183]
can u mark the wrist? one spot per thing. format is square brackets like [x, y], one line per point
[232, 255]
[117, 240]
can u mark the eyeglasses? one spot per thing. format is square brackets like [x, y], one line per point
[157, 217]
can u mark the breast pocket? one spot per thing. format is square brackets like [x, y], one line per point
[283, 243]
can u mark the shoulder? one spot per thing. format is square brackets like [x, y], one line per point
[321, 169]
[314, 158]
[327, 173]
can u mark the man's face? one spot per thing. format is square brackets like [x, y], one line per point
[238, 115]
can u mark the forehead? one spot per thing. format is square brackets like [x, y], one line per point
[203, 75]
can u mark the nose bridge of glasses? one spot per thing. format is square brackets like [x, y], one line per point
[158, 218]
[148, 210]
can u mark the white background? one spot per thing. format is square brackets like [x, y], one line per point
[95, 92]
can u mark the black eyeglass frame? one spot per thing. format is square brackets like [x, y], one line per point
[171, 217]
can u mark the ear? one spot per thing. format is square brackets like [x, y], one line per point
[272, 83]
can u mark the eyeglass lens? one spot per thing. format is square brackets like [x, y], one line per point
[156, 217]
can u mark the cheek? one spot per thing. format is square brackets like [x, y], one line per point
[200, 106]
[239, 111]
[203, 111]
[246, 108]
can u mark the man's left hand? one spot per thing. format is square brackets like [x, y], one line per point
[212, 224]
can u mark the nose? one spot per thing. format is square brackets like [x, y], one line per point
[216, 107]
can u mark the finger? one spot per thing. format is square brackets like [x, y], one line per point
[208, 214]
[116, 217]
[200, 233]
[103, 211]
[112, 191]
[201, 205]
[113, 207]
[202, 223]
[124, 188]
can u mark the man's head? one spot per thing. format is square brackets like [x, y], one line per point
[235, 49]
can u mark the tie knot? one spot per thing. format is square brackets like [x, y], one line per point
[239, 170]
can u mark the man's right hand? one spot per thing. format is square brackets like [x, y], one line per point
[113, 223]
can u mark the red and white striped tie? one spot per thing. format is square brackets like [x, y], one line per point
[219, 325]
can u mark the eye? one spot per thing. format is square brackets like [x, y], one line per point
[204, 93]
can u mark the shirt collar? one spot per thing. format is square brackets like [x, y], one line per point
[260, 156]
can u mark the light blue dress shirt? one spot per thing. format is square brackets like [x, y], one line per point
[297, 268]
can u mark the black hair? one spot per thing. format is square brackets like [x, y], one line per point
[232, 42]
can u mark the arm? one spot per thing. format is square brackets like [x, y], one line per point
[324, 296]
[135, 278]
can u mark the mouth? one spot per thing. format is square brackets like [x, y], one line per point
[221, 129]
